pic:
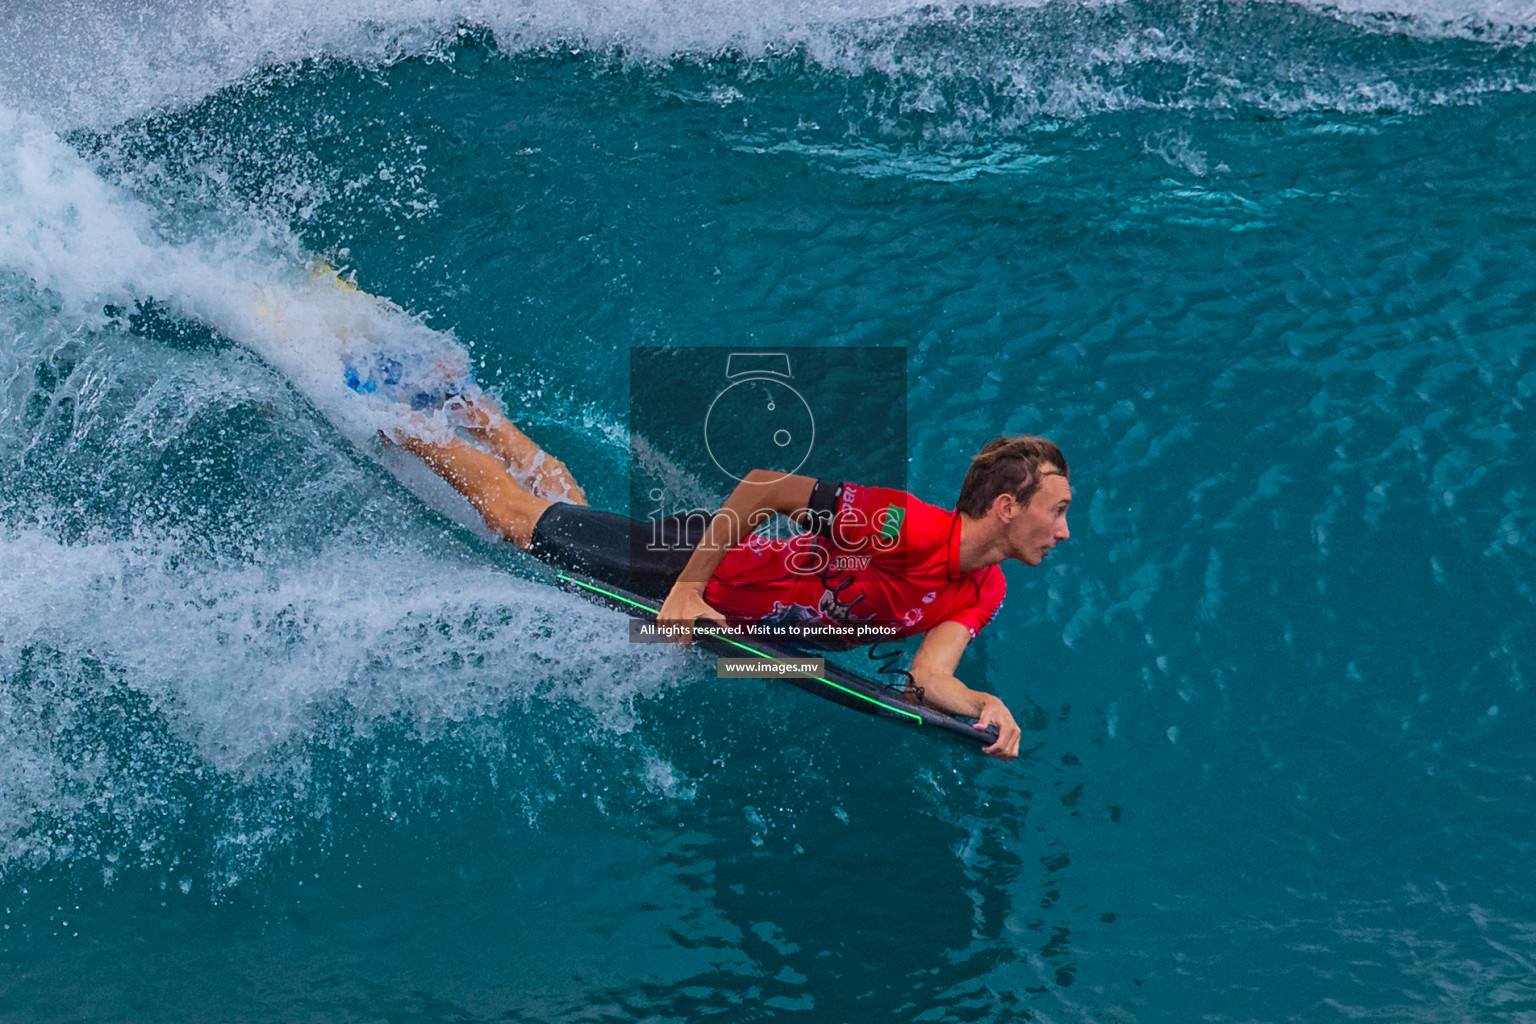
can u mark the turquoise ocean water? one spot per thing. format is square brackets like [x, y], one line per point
[282, 741]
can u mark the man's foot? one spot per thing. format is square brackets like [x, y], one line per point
[547, 477]
[537, 470]
[507, 508]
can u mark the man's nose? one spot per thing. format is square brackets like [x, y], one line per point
[1062, 531]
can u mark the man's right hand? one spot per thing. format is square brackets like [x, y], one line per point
[995, 713]
[685, 604]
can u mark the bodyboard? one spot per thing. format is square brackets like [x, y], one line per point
[837, 684]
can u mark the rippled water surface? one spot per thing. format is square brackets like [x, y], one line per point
[283, 739]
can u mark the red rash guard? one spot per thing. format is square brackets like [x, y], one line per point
[881, 557]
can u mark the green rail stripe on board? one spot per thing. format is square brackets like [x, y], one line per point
[737, 643]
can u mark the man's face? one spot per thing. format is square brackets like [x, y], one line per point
[1042, 524]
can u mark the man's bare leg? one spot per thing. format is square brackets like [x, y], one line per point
[481, 477]
[545, 473]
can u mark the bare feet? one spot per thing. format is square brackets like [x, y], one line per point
[547, 477]
[534, 468]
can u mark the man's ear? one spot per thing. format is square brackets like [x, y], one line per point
[1005, 506]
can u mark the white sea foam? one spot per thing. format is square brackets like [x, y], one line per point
[88, 63]
[85, 245]
[240, 661]
[1447, 17]
[92, 245]
[232, 668]
[248, 655]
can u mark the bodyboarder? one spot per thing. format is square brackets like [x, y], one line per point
[871, 557]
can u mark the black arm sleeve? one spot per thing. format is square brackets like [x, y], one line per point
[823, 506]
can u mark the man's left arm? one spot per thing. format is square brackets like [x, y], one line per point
[933, 669]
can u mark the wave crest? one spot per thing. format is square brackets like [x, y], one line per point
[80, 64]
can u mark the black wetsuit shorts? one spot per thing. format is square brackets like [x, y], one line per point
[645, 558]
